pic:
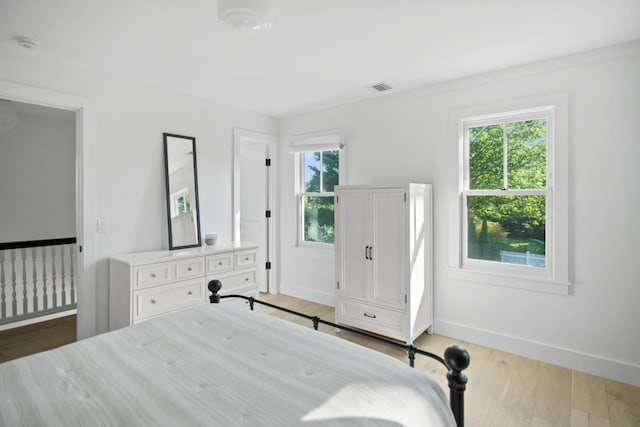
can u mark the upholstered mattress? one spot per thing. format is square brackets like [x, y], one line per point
[217, 365]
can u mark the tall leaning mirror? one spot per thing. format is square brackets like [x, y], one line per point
[182, 191]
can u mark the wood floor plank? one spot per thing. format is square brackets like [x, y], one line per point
[589, 395]
[553, 395]
[585, 419]
[517, 402]
[624, 404]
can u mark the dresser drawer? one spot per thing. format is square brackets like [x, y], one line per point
[231, 283]
[246, 259]
[220, 263]
[189, 268]
[151, 302]
[379, 320]
[152, 275]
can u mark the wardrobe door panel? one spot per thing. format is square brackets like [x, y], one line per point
[389, 246]
[352, 229]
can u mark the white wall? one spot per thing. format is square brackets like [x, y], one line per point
[406, 138]
[129, 177]
[37, 177]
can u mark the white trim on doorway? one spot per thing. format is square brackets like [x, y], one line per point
[85, 190]
[242, 136]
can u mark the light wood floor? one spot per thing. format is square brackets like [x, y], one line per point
[503, 389]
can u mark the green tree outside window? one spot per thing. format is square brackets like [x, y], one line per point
[320, 176]
[507, 156]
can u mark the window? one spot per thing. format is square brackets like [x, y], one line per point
[181, 202]
[320, 173]
[511, 210]
[507, 194]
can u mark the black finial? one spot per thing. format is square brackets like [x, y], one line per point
[214, 287]
[457, 358]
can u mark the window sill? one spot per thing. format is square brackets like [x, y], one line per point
[536, 284]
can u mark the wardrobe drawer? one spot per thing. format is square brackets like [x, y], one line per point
[189, 268]
[151, 275]
[246, 259]
[220, 263]
[372, 318]
[163, 299]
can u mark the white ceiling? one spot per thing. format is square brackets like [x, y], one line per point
[317, 53]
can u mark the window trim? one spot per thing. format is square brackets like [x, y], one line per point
[556, 279]
[312, 142]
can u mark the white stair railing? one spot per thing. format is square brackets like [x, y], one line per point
[37, 278]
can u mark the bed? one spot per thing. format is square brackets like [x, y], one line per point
[219, 365]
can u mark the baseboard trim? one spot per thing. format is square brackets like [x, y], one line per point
[308, 294]
[597, 365]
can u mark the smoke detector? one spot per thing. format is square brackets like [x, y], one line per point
[245, 15]
[380, 87]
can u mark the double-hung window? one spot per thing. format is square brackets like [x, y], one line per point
[512, 199]
[507, 201]
[320, 173]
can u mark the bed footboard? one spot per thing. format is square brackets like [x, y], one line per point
[456, 358]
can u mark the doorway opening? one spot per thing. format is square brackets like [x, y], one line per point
[253, 197]
[81, 254]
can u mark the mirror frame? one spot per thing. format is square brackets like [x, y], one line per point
[165, 137]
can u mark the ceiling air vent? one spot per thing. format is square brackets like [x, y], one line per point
[380, 87]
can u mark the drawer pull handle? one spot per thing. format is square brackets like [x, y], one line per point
[246, 279]
[188, 268]
[153, 274]
[189, 293]
[371, 316]
[246, 259]
[220, 263]
[153, 301]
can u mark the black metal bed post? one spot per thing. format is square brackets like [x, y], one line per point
[457, 360]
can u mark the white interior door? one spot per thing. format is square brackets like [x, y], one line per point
[252, 199]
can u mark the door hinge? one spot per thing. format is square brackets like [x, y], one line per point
[405, 197]
[338, 287]
[337, 199]
[268, 265]
[267, 162]
[405, 298]
[79, 248]
[268, 213]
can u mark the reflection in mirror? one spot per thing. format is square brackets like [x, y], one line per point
[182, 191]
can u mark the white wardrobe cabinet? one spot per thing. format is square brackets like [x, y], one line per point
[146, 284]
[383, 249]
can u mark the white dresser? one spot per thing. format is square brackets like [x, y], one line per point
[146, 284]
[383, 259]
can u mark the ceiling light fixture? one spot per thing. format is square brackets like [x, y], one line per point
[27, 42]
[245, 15]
